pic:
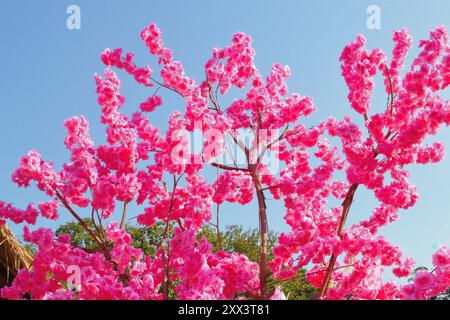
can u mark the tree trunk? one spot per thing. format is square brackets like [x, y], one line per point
[263, 229]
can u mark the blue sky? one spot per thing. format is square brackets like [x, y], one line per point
[47, 76]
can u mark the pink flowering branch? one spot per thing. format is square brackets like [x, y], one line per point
[346, 205]
[100, 244]
[124, 215]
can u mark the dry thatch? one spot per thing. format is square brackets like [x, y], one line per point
[13, 256]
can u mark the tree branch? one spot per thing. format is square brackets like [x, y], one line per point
[163, 242]
[82, 223]
[124, 215]
[225, 167]
[264, 232]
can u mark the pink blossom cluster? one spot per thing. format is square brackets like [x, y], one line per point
[94, 276]
[9, 212]
[209, 276]
[233, 187]
[151, 104]
[114, 58]
[232, 65]
[428, 284]
[359, 66]
[140, 164]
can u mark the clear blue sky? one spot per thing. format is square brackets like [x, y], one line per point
[47, 76]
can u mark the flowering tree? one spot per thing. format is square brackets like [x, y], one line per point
[166, 177]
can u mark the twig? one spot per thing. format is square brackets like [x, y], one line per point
[391, 103]
[166, 86]
[163, 244]
[124, 215]
[219, 239]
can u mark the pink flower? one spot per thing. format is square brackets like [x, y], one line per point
[404, 269]
[423, 280]
[49, 209]
[33, 168]
[441, 258]
[8, 211]
[127, 187]
[233, 187]
[358, 68]
[403, 43]
[151, 104]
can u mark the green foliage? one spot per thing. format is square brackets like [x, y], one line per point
[233, 239]
[297, 288]
[236, 239]
[78, 235]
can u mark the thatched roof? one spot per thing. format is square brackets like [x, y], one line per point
[13, 256]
